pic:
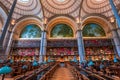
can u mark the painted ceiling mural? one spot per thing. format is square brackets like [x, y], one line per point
[51, 8]
[31, 31]
[61, 7]
[93, 30]
[61, 30]
[24, 7]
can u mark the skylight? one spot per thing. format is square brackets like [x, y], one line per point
[24, 1]
[60, 0]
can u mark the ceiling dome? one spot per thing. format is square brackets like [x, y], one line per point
[24, 7]
[51, 8]
[100, 7]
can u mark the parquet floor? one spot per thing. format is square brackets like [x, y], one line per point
[6, 78]
[62, 73]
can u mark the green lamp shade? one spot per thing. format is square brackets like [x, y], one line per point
[49, 60]
[75, 60]
[90, 63]
[115, 60]
[11, 61]
[5, 70]
[1, 61]
[44, 62]
[24, 67]
[35, 63]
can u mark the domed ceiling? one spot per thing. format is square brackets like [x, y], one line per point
[24, 7]
[53, 8]
[61, 7]
[98, 7]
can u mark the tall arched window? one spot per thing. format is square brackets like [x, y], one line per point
[61, 30]
[93, 30]
[31, 31]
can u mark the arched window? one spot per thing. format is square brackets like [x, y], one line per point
[31, 31]
[61, 30]
[93, 30]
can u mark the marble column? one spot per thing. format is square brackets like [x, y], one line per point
[42, 47]
[118, 30]
[7, 23]
[115, 12]
[81, 50]
[116, 41]
[9, 43]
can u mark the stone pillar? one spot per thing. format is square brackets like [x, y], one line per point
[116, 41]
[9, 43]
[116, 34]
[118, 30]
[44, 43]
[5, 28]
[42, 47]
[81, 50]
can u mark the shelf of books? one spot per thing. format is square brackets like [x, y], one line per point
[62, 50]
[99, 49]
[62, 53]
[25, 50]
[25, 54]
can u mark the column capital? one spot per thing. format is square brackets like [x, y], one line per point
[45, 31]
[9, 31]
[78, 30]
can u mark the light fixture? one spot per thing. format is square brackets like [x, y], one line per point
[77, 20]
[13, 22]
[45, 21]
[112, 19]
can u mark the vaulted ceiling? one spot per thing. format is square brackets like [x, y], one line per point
[52, 8]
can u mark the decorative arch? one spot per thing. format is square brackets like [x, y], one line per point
[62, 20]
[61, 30]
[93, 30]
[20, 25]
[100, 21]
[30, 31]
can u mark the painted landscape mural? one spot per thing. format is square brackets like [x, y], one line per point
[61, 30]
[93, 30]
[31, 31]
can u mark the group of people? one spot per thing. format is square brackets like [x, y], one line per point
[100, 66]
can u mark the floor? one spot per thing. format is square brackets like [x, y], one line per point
[62, 73]
[6, 78]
